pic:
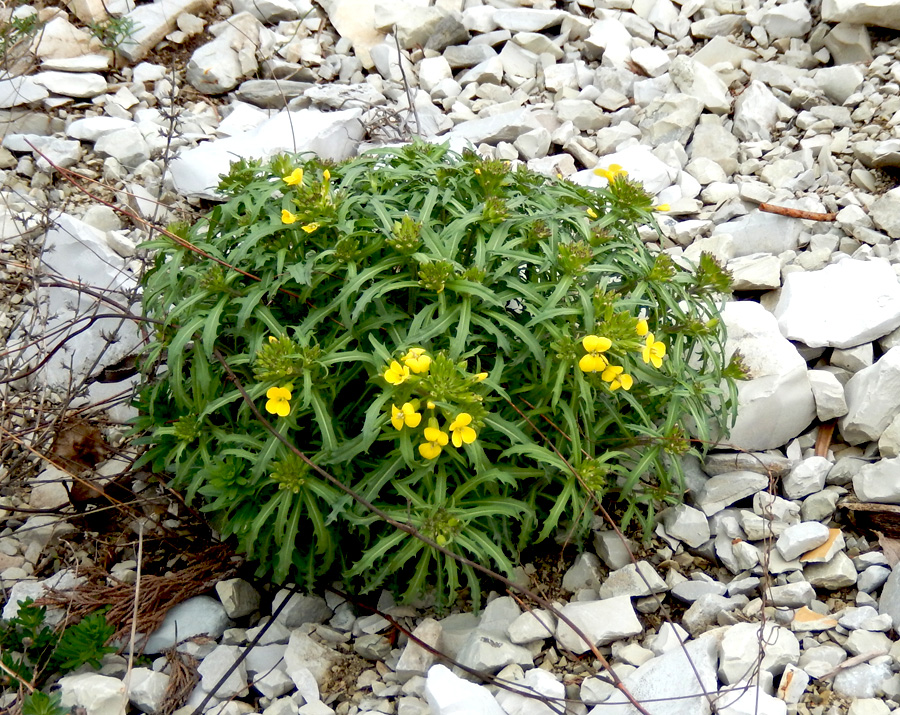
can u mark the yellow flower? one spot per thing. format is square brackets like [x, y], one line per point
[642, 328]
[416, 360]
[396, 374]
[405, 415]
[279, 402]
[461, 430]
[294, 178]
[273, 339]
[310, 227]
[327, 175]
[478, 171]
[436, 440]
[616, 377]
[611, 172]
[594, 361]
[662, 207]
[429, 405]
[592, 213]
[653, 351]
[480, 376]
[287, 216]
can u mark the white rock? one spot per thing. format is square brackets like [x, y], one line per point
[776, 404]
[633, 580]
[669, 682]
[92, 128]
[535, 682]
[791, 19]
[653, 60]
[752, 700]
[640, 163]
[72, 84]
[686, 524]
[238, 597]
[127, 146]
[416, 660]
[834, 575]
[761, 232]
[793, 684]
[839, 83]
[200, 615]
[842, 305]
[152, 22]
[873, 399]
[724, 490]
[97, 694]
[878, 482]
[490, 652]
[303, 653]
[757, 271]
[448, 694]
[699, 81]
[756, 111]
[739, 650]
[601, 622]
[17, 91]
[527, 19]
[805, 478]
[329, 135]
[796, 540]
[829, 395]
[146, 689]
[885, 13]
[433, 70]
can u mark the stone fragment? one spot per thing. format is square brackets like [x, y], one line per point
[745, 699]
[69, 84]
[760, 462]
[829, 395]
[834, 575]
[849, 43]
[761, 232]
[806, 478]
[705, 611]
[305, 654]
[200, 615]
[415, 659]
[756, 111]
[213, 668]
[613, 549]
[146, 689]
[448, 694]
[584, 573]
[873, 399]
[238, 597]
[153, 21]
[97, 694]
[806, 620]
[757, 271]
[601, 622]
[686, 524]
[490, 653]
[863, 12]
[300, 609]
[536, 682]
[827, 551]
[843, 305]
[776, 403]
[739, 650]
[670, 681]
[793, 684]
[218, 66]
[861, 681]
[839, 83]
[792, 19]
[725, 489]
[792, 595]
[633, 580]
[698, 81]
[531, 626]
[800, 538]
[878, 482]
[670, 118]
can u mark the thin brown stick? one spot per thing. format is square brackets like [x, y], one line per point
[797, 213]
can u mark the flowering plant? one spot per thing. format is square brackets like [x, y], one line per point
[481, 352]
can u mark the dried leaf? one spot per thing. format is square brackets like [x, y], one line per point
[891, 548]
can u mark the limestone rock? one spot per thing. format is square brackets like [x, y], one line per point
[873, 399]
[776, 403]
[601, 622]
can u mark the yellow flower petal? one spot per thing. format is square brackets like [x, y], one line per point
[592, 213]
[287, 217]
[596, 344]
[294, 178]
[642, 328]
[592, 362]
[480, 376]
[396, 373]
[310, 227]
[429, 450]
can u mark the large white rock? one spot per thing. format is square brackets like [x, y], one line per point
[739, 650]
[756, 112]
[448, 694]
[873, 399]
[329, 135]
[535, 682]
[776, 403]
[699, 81]
[878, 482]
[97, 694]
[601, 622]
[200, 615]
[829, 395]
[640, 163]
[670, 683]
[146, 689]
[882, 13]
[845, 304]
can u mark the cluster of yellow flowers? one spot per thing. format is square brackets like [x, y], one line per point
[295, 178]
[593, 361]
[417, 362]
[611, 174]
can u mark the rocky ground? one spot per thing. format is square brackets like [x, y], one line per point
[774, 589]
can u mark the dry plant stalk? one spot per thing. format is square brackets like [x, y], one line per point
[183, 676]
[158, 593]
